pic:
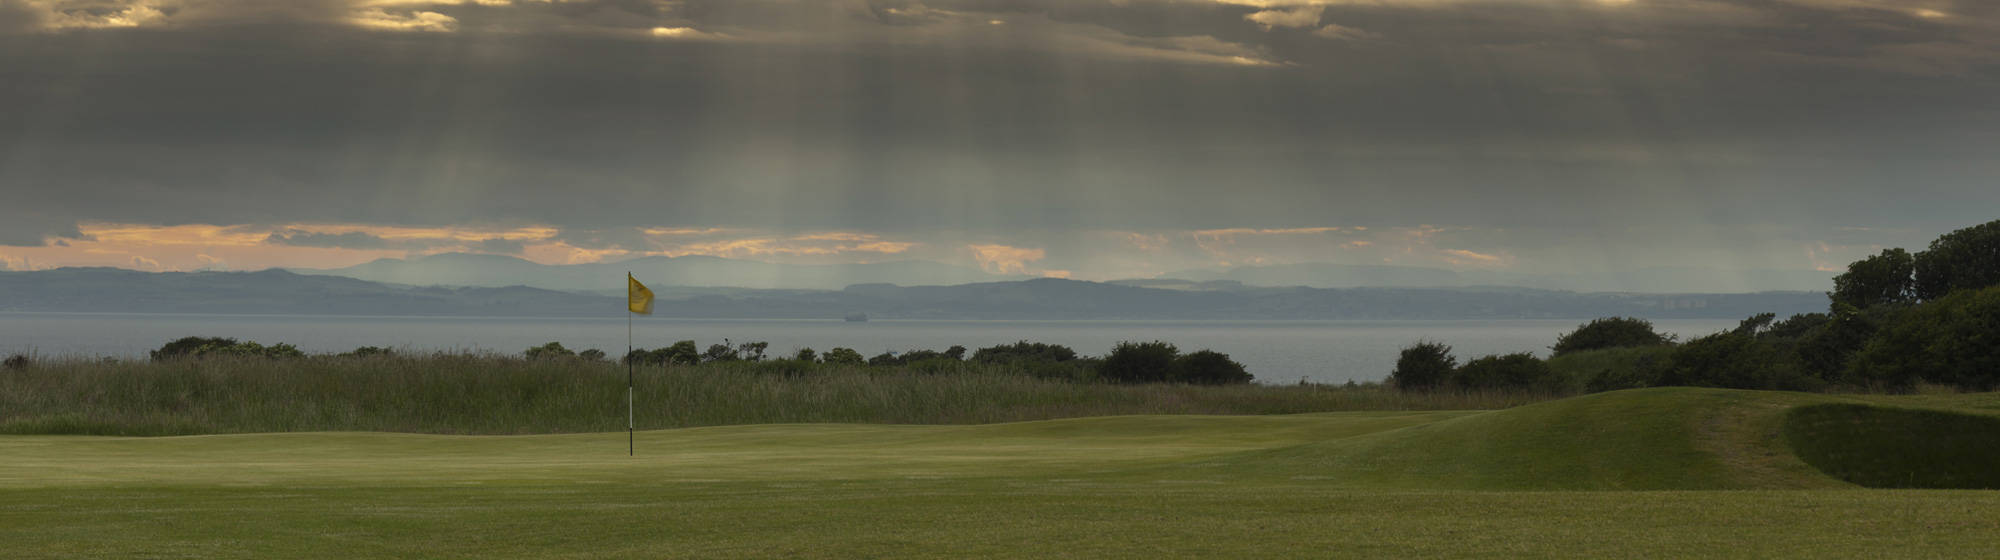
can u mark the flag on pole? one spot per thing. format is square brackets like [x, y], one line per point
[637, 298]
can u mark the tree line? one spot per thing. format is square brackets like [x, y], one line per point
[1894, 321]
[1128, 362]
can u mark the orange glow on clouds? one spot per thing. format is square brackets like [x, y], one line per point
[256, 247]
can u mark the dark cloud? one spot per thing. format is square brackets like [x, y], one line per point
[992, 116]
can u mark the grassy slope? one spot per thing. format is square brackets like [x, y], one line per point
[1360, 484]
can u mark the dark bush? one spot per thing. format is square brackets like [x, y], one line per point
[752, 351]
[805, 355]
[1024, 351]
[1611, 369]
[1423, 366]
[550, 351]
[367, 351]
[843, 356]
[593, 355]
[1954, 340]
[1139, 362]
[1736, 361]
[196, 347]
[1610, 332]
[1208, 367]
[1512, 371]
[721, 353]
[884, 359]
[191, 347]
[16, 362]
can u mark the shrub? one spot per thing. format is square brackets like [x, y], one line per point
[1610, 332]
[196, 347]
[1611, 369]
[1423, 366]
[17, 362]
[593, 355]
[1139, 362]
[721, 353]
[1208, 367]
[752, 351]
[367, 351]
[884, 359]
[805, 355]
[1519, 370]
[680, 353]
[550, 351]
[1954, 340]
[192, 346]
[1736, 360]
[843, 356]
[1024, 351]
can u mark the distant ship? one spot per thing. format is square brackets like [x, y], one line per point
[857, 317]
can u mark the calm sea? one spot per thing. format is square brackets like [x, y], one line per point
[1275, 351]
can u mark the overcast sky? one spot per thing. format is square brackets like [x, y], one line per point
[1095, 139]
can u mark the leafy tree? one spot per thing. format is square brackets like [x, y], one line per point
[1512, 371]
[1024, 351]
[593, 355]
[1139, 362]
[1967, 259]
[720, 353]
[753, 351]
[1610, 332]
[805, 355]
[681, 353]
[1888, 278]
[1423, 366]
[1755, 325]
[1953, 340]
[1208, 367]
[550, 351]
[956, 352]
[843, 356]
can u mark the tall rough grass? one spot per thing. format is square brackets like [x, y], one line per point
[475, 394]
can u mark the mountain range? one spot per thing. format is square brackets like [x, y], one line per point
[696, 272]
[282, 292]
[475, 270]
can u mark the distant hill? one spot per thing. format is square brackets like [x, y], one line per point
[281, 292]
[1642, 280]
[462, 269]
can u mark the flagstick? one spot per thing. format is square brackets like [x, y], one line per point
[631, 445]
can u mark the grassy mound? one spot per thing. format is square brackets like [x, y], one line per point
[1883, 447]
[1652, 439]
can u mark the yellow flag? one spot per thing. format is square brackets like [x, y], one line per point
[637, 297]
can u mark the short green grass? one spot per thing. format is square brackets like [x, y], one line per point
[1551, 479]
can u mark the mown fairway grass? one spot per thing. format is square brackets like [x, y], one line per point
[1555, 478]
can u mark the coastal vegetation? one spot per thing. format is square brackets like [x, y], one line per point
[1896, 322]
[456, 393]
